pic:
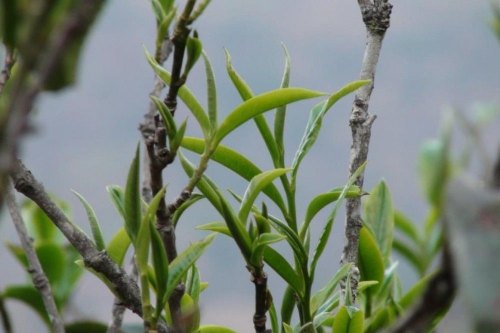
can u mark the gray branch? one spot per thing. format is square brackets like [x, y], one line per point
[376, 16]
[38, 276]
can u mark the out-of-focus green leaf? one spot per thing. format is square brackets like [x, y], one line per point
[257, 184]
[322, 200]
[321, 295]
[132, 199]
[86, 327]
[345, 322]
[279, 264]
[118, 246]
[53, 259]
[406, 226]
[410, 254]
[379, 215]
[179, 267]
[39, 224]
[194, 49]
[28, 295]
[184, 94]
[94, 222]
[261, 243]
[416, 291]
[370, 260]
[214, 329]
[287, 304]
[287, 328]
[316, 116]
[273, 316]
[260, 104]
[117, 196]
[237, 163]
[211, 92]
[70, 276]
[433, 167]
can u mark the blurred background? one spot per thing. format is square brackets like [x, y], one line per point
[436, 54]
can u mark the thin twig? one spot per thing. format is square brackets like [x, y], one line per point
[40, 280]
[119, 308]
[376, 16]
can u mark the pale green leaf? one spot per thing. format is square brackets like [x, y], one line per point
[93, 221]
[118, 246]
[211, 92]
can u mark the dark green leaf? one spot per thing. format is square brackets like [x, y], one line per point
[283, 269]
[86, 327]
[211, 92]
[260, 243]
[160, 265]
[28, 295]
[132, 199]
[194, 50]
[167, 117]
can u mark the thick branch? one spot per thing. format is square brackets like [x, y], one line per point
[40, 280]
[123, 284]
[259, 279]
[376, 17]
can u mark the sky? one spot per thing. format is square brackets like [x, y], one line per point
[436, 54]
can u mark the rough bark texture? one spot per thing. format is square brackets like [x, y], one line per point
[376, 16]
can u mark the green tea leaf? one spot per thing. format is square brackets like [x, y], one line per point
[180, 265]
[258, 105]
[322, 200]
[235, 162]
[194, 49]
[324, 293]
[94, 223]
[379, 215]
[132, 199]
[316, 116]
[279, 264]
[246, 93]
[184, 94]
[260, 243]
[279, 118]
[117, 196]
[370, 260]
[257, 184]
[160, 265]
[211, 93]
[166, 115]
[219, 227]
[118, 246]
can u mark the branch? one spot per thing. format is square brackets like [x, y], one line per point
[262, 302]
[25, 89]
[376, 16]
[38, 276]
[123, 284]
